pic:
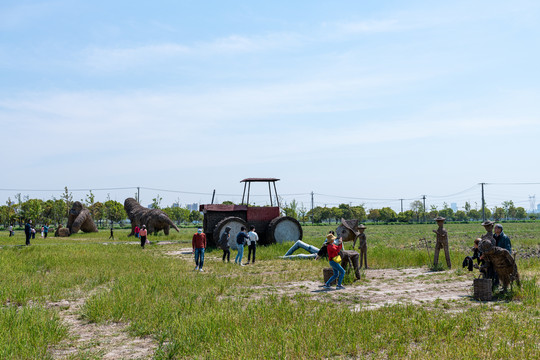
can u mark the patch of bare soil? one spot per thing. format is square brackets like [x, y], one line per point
[105, 341]
[381, 287]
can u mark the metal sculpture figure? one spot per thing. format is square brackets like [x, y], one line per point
[488, 225]
[362, 245]
[80, 218]
[442, 242]
[154, 219]
[61, 231]
[503, 263]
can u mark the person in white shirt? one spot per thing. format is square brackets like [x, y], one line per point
[252, 243]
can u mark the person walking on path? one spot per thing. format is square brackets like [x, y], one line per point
[45, 230]
[112, 234]
[240, 241]
[442, 242]
[198, 244]
[143, 233]
[137, 231]
[252, 243]
[334, 247]
[224, 244]
[28, 231]
[10, 230]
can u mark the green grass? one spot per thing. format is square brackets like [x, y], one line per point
[224, 314]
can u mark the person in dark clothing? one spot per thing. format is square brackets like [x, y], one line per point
[224, 244]
[28, 231]
[112, 234]
[45, 231]
[501, 240]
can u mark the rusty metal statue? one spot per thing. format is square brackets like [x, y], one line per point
[362, 245]
[61, 231]
[488, 225]
[154, 219]
[442, 242]
[502, 262]
[80, 218]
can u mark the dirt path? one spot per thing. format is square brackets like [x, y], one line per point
[378, 287]
[105, 341]
[382, 287]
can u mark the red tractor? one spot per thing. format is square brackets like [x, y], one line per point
[270, 226]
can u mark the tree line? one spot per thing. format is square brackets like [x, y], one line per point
[415, 214]
[56, 210]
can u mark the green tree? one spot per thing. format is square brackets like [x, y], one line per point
[474, 214]
[291, 209]
[498, 213]
[520, 213]
[417, 207]
[227, 202]
[338, 213]
[195, 216]
[509, 209]
[406, 216]
[387, 214]
[374, 215]
[359, 212]
[156, 202]
[460, 215]
[97, 210]
[114, 211]
[302, 212]
[90, 199]
[68, 200]
[467, 206]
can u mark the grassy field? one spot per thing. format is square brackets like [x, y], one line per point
[232, 312]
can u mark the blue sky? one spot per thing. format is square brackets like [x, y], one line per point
[359, 99]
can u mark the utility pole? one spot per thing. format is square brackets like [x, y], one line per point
[401, 204]
[138, 194]
[424, 198]
[312, 207]
[483, 203]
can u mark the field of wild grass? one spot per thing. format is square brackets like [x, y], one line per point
[220, 314]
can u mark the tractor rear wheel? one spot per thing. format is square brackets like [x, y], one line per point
[235, 223]
[284, 228]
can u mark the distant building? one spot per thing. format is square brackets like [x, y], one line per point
[175, 205]
[453, 206]
[192, 207]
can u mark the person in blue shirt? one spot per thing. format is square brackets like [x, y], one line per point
[240, 241]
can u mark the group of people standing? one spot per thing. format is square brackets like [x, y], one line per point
[30, 231]
[243, 238]
[140, 233]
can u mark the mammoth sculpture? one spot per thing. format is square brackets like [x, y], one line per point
[80, 219]
[154, 219]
